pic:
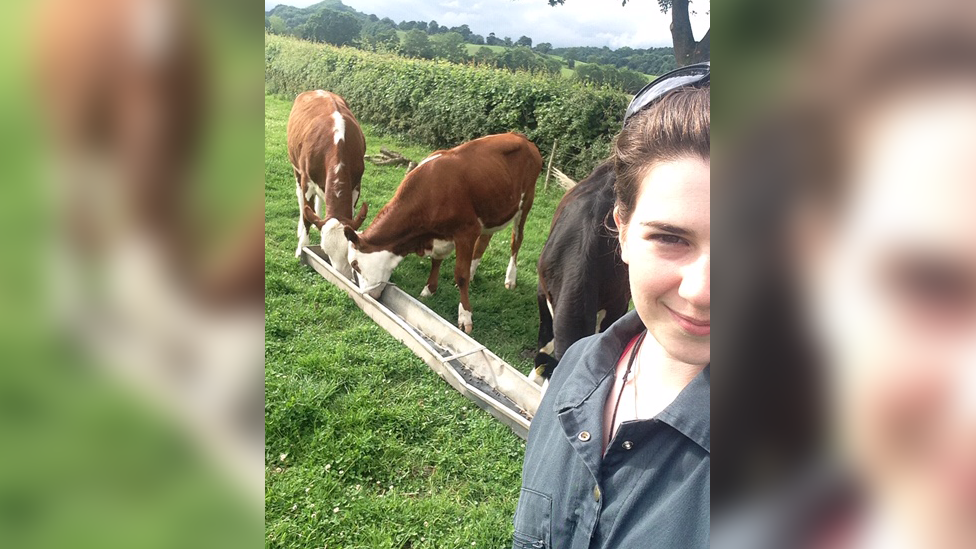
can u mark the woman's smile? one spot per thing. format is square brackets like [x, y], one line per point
[693, 326]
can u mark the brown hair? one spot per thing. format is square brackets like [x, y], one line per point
[677, 126]
[875, 50]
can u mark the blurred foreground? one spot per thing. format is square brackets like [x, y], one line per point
[846, 410]
[131, 284]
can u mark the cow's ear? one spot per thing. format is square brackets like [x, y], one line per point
[351, 235]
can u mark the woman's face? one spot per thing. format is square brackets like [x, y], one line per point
[666, 242]
[894, 299]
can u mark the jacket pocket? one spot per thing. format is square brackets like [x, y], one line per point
[533, 517]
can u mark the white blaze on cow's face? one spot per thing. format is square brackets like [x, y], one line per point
[335, 246]
[372, 270]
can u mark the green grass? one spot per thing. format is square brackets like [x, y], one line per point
[380, 452]
[473, 48]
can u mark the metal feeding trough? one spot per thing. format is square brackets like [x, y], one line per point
[465, 364]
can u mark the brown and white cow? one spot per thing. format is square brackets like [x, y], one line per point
[326, 147]
[455, 198]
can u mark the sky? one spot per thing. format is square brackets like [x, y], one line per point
[639, 24]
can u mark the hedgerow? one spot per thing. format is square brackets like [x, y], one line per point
[442, 104]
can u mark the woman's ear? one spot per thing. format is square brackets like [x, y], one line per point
[621, 234]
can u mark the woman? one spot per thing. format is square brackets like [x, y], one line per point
[618, 453]
[884, 258]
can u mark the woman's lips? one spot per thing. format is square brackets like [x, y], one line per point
[693, 326]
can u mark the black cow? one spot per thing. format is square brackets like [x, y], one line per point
[583, 283]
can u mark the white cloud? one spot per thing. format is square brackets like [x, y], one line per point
[639, 24]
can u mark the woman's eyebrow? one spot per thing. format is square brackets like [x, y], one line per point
[668, 228]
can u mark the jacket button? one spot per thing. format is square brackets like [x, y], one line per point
[583, 436]
[596, 493]
[627, 445]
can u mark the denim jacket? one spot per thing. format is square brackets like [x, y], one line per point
[650, 490]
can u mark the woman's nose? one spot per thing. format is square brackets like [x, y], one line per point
[695, 285]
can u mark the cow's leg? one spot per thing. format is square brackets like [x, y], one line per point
[479, 251]
[462, 273]
[518, 231]
[320, 211]
[303, 224]
[435, 272]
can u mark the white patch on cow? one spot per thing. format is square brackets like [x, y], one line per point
[600, 315]
[474, 267]
[319, 203]
[515, 219]
[426, 291]
[374, 268]
[335, 246]
[510, 274]
[551, 312]
[153, 29]
[535, 376]
[464, 319]
[321, 93]
[338, 168]
[545, 386]
[442, 249]
[355, 198]
[428, 159]
[549, 348]
[338, 126]
[310, 191]
[492, 230]
[337, 190]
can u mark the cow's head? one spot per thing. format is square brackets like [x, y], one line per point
[335, 245]
[372, 266]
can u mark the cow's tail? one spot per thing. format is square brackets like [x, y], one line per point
[544, 361]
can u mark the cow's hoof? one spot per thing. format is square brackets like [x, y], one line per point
[464, 319]
[426, 292]
[298, 252]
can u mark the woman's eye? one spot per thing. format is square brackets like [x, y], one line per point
[933, 285]
[668, 239]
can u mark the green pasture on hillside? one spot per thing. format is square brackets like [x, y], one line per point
[366, 446]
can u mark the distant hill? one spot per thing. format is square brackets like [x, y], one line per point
[296, 16]
[626, 68]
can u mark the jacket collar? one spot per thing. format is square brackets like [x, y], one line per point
[689, 413]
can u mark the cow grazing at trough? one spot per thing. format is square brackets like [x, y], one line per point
[583, 283]
[455, 198]
[326, 147]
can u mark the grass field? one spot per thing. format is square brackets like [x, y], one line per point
[365, 445]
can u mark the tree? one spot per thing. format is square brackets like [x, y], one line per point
[335, 27]
[507, 41]
[543, 47]
[686, 49]
[476, 39]
[571, 64]
[416, 44]
[464, 31]
[433, 28]
[277, 25]
[484, 56]
[449, 46]
[524, 41]
[379, 36]
[493, 40]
